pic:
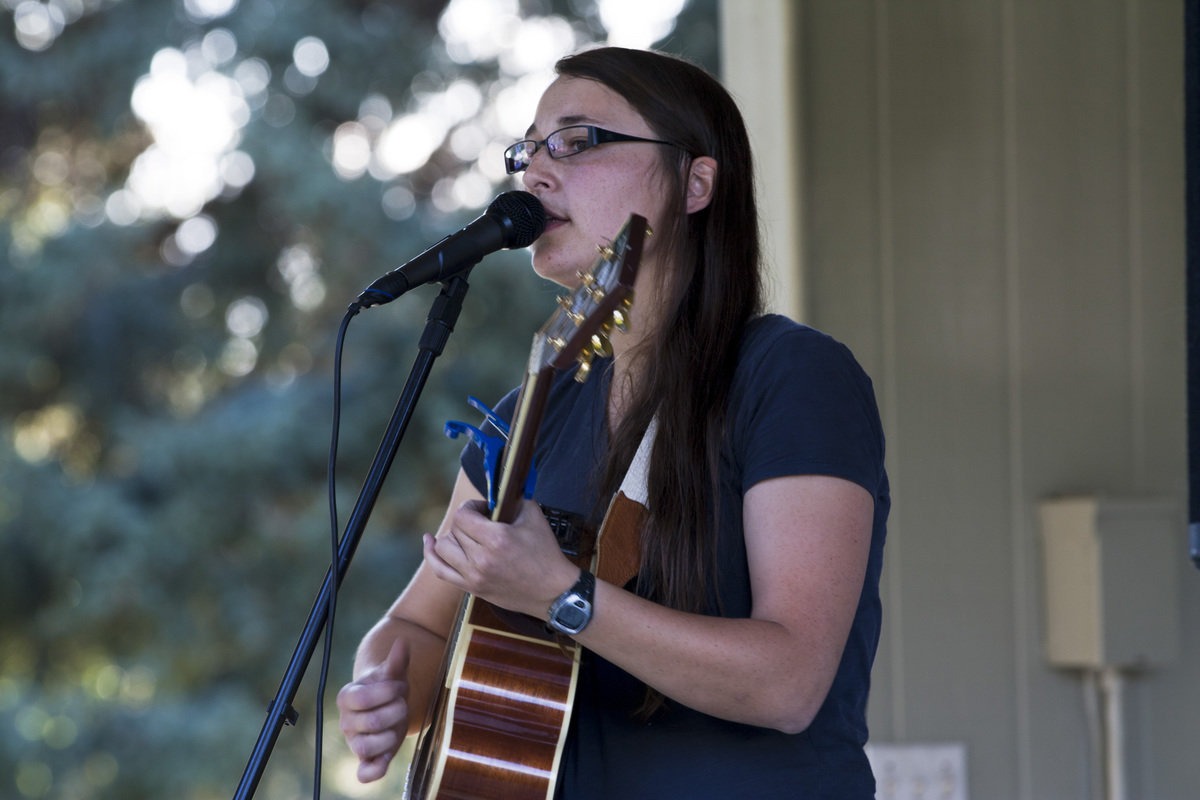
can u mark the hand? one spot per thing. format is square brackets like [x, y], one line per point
[374, 713]
[519, 566]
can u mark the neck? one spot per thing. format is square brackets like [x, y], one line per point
[646, 314]
[620, 387]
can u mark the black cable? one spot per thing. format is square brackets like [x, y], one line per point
[334, 530]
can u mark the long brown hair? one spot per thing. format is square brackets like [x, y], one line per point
[684, 371]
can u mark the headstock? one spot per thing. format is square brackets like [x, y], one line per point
[579, 330]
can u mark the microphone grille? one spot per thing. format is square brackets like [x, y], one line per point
[522, 216]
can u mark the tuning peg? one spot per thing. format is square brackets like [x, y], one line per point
[602, 345]
[558, 343]
[620, 319]
[586, 278]
[567, 306]
[606, 251]
[585, 367]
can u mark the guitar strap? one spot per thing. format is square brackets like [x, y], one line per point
[618, 545]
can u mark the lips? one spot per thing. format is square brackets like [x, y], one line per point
[554, 217]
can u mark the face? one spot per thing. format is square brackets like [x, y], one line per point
[589, 196]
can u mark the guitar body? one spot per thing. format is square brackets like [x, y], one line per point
[501, 717]
[497, 727]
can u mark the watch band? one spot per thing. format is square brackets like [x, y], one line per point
[585, 587]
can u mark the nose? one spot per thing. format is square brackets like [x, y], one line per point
[540, 171]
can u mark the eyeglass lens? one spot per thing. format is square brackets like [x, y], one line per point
[560, 144]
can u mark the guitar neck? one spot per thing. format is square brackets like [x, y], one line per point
[518, 455]
[574, 334]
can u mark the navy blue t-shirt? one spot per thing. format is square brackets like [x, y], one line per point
[800, 405]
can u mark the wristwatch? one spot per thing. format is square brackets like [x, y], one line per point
[572, 611]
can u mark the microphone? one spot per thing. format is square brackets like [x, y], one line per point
[513, 220]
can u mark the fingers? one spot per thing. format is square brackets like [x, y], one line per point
[502, 563]
[374, 713]
[478, 506]
[471, 519]
[374, 768]
[440, 567]
[374, 736]
[367, 708]
[380, 749]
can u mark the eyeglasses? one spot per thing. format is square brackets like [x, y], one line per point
[565, 142]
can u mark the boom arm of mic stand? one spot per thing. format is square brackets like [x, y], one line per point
[438, 327]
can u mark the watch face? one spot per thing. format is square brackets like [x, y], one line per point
[572, 611]
[571, 614]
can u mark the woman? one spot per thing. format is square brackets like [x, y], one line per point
[737, 662]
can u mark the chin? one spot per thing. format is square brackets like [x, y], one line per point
[561, 271]
[568, 279]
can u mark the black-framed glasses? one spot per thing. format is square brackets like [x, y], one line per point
[565, 142]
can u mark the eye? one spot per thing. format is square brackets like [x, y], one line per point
[576, 144]
[569, 142]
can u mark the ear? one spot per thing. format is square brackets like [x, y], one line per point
[701, 183]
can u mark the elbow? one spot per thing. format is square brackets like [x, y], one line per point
[802, 687]
[795, 710]
[785, 711]
[794, 720]
[796, 714]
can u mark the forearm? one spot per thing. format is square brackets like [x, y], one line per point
[807, 543]
[753, 671]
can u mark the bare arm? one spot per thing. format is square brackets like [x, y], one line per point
[807, 541]
[396, 665]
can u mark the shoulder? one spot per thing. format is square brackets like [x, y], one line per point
[801, 404]
[564, 389]
[776, 343]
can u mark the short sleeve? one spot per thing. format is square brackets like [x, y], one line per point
[804, 406]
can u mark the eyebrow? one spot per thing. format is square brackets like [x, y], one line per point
[563, 122]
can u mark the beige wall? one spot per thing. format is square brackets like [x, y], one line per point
[988, 207]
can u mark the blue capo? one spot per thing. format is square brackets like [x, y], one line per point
[492, 447]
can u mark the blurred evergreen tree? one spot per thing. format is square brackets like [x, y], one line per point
[165, 370]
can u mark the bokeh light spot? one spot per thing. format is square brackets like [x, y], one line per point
[196, 234]
[246, 317]
[638, 23]
[202, 10]
[310, 56]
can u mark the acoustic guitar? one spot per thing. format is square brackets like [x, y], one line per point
[497, 727]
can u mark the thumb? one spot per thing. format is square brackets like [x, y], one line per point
[395, 666]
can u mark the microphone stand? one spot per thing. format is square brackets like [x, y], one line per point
[438, 326]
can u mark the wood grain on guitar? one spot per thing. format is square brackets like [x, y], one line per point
[497, 727]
